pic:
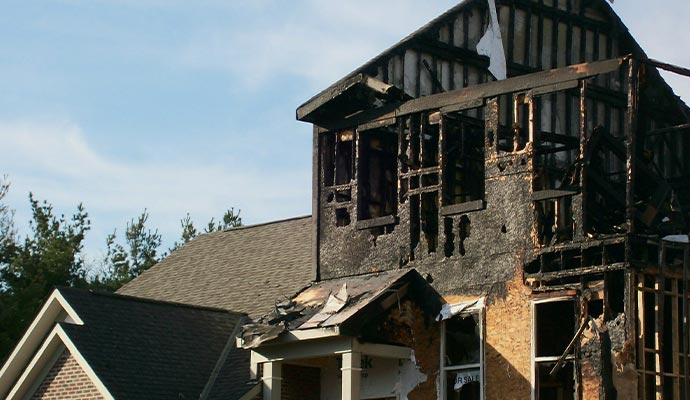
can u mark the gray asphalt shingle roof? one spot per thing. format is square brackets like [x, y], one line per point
[245, 269]
[144, 349]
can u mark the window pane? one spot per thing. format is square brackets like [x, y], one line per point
[555, 327]
[560, 386]
[462, 340]
[463, 385]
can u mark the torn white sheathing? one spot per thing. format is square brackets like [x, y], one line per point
[336, 301]
[410, 377]
[491, 45]
[677, 238]
[451, 310]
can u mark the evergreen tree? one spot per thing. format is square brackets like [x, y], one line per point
[125, 262]
[51, 255]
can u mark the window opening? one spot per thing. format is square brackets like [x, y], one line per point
[377, 172]
[554, 326]
[463, 136]
[429, 219]
[462, 347]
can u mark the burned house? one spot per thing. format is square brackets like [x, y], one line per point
[500, 210]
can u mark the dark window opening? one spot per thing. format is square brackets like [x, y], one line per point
[558, 386]
[337, 158]
[377, 173]
[464, 231]
[463, 137]
[429, 219]
[342, 217]
[505, 135]
[344, 157]
[463, 343]
[521, 123]
[615, 293]
[595, 308]
[327, 159]
[429, 144]
[415, 228]
[555, 327]
[462, 357]
[449, 247]
[554, 220]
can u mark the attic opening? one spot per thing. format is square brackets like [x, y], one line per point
[377, 173]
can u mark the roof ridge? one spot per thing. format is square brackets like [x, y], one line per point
[104, 293]
[260, 224]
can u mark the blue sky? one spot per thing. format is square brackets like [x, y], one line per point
[188, 106]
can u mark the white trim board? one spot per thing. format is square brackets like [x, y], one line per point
[55, 309]
[56, 341]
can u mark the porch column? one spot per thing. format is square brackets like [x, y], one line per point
[271, 380]
[352, 374]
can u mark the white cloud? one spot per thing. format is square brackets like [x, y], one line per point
[321, 42]
[53, 159]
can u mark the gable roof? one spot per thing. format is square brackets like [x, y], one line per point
[242, 269]
[144, 349]
[130, 347]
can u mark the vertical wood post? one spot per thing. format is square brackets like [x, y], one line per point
[352, 374]
[272, 378]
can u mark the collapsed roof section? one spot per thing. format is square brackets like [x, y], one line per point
[342, 306]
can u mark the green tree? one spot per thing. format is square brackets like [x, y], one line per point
[7, 230]
[229, 220]
[51, 255]
[125, 261]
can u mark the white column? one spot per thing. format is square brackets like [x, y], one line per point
[271, 380]
[352, 374]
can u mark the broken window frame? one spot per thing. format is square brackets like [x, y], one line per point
[537, 361]
[365, 220]
[474, 201]
[661, 363]
[477, 310]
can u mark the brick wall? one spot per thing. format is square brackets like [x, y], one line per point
[508, 345]
[300, 383]
[66, 381]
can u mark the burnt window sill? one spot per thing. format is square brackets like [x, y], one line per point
[462, 208]
[376, 222]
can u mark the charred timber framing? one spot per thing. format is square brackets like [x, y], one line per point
[562, 182]
[467, 96]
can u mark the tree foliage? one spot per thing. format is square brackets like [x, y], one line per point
[229, 220]
[129, 259]
[51, 255]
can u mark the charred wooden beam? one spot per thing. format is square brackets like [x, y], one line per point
[670, 129]
[668, 67]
